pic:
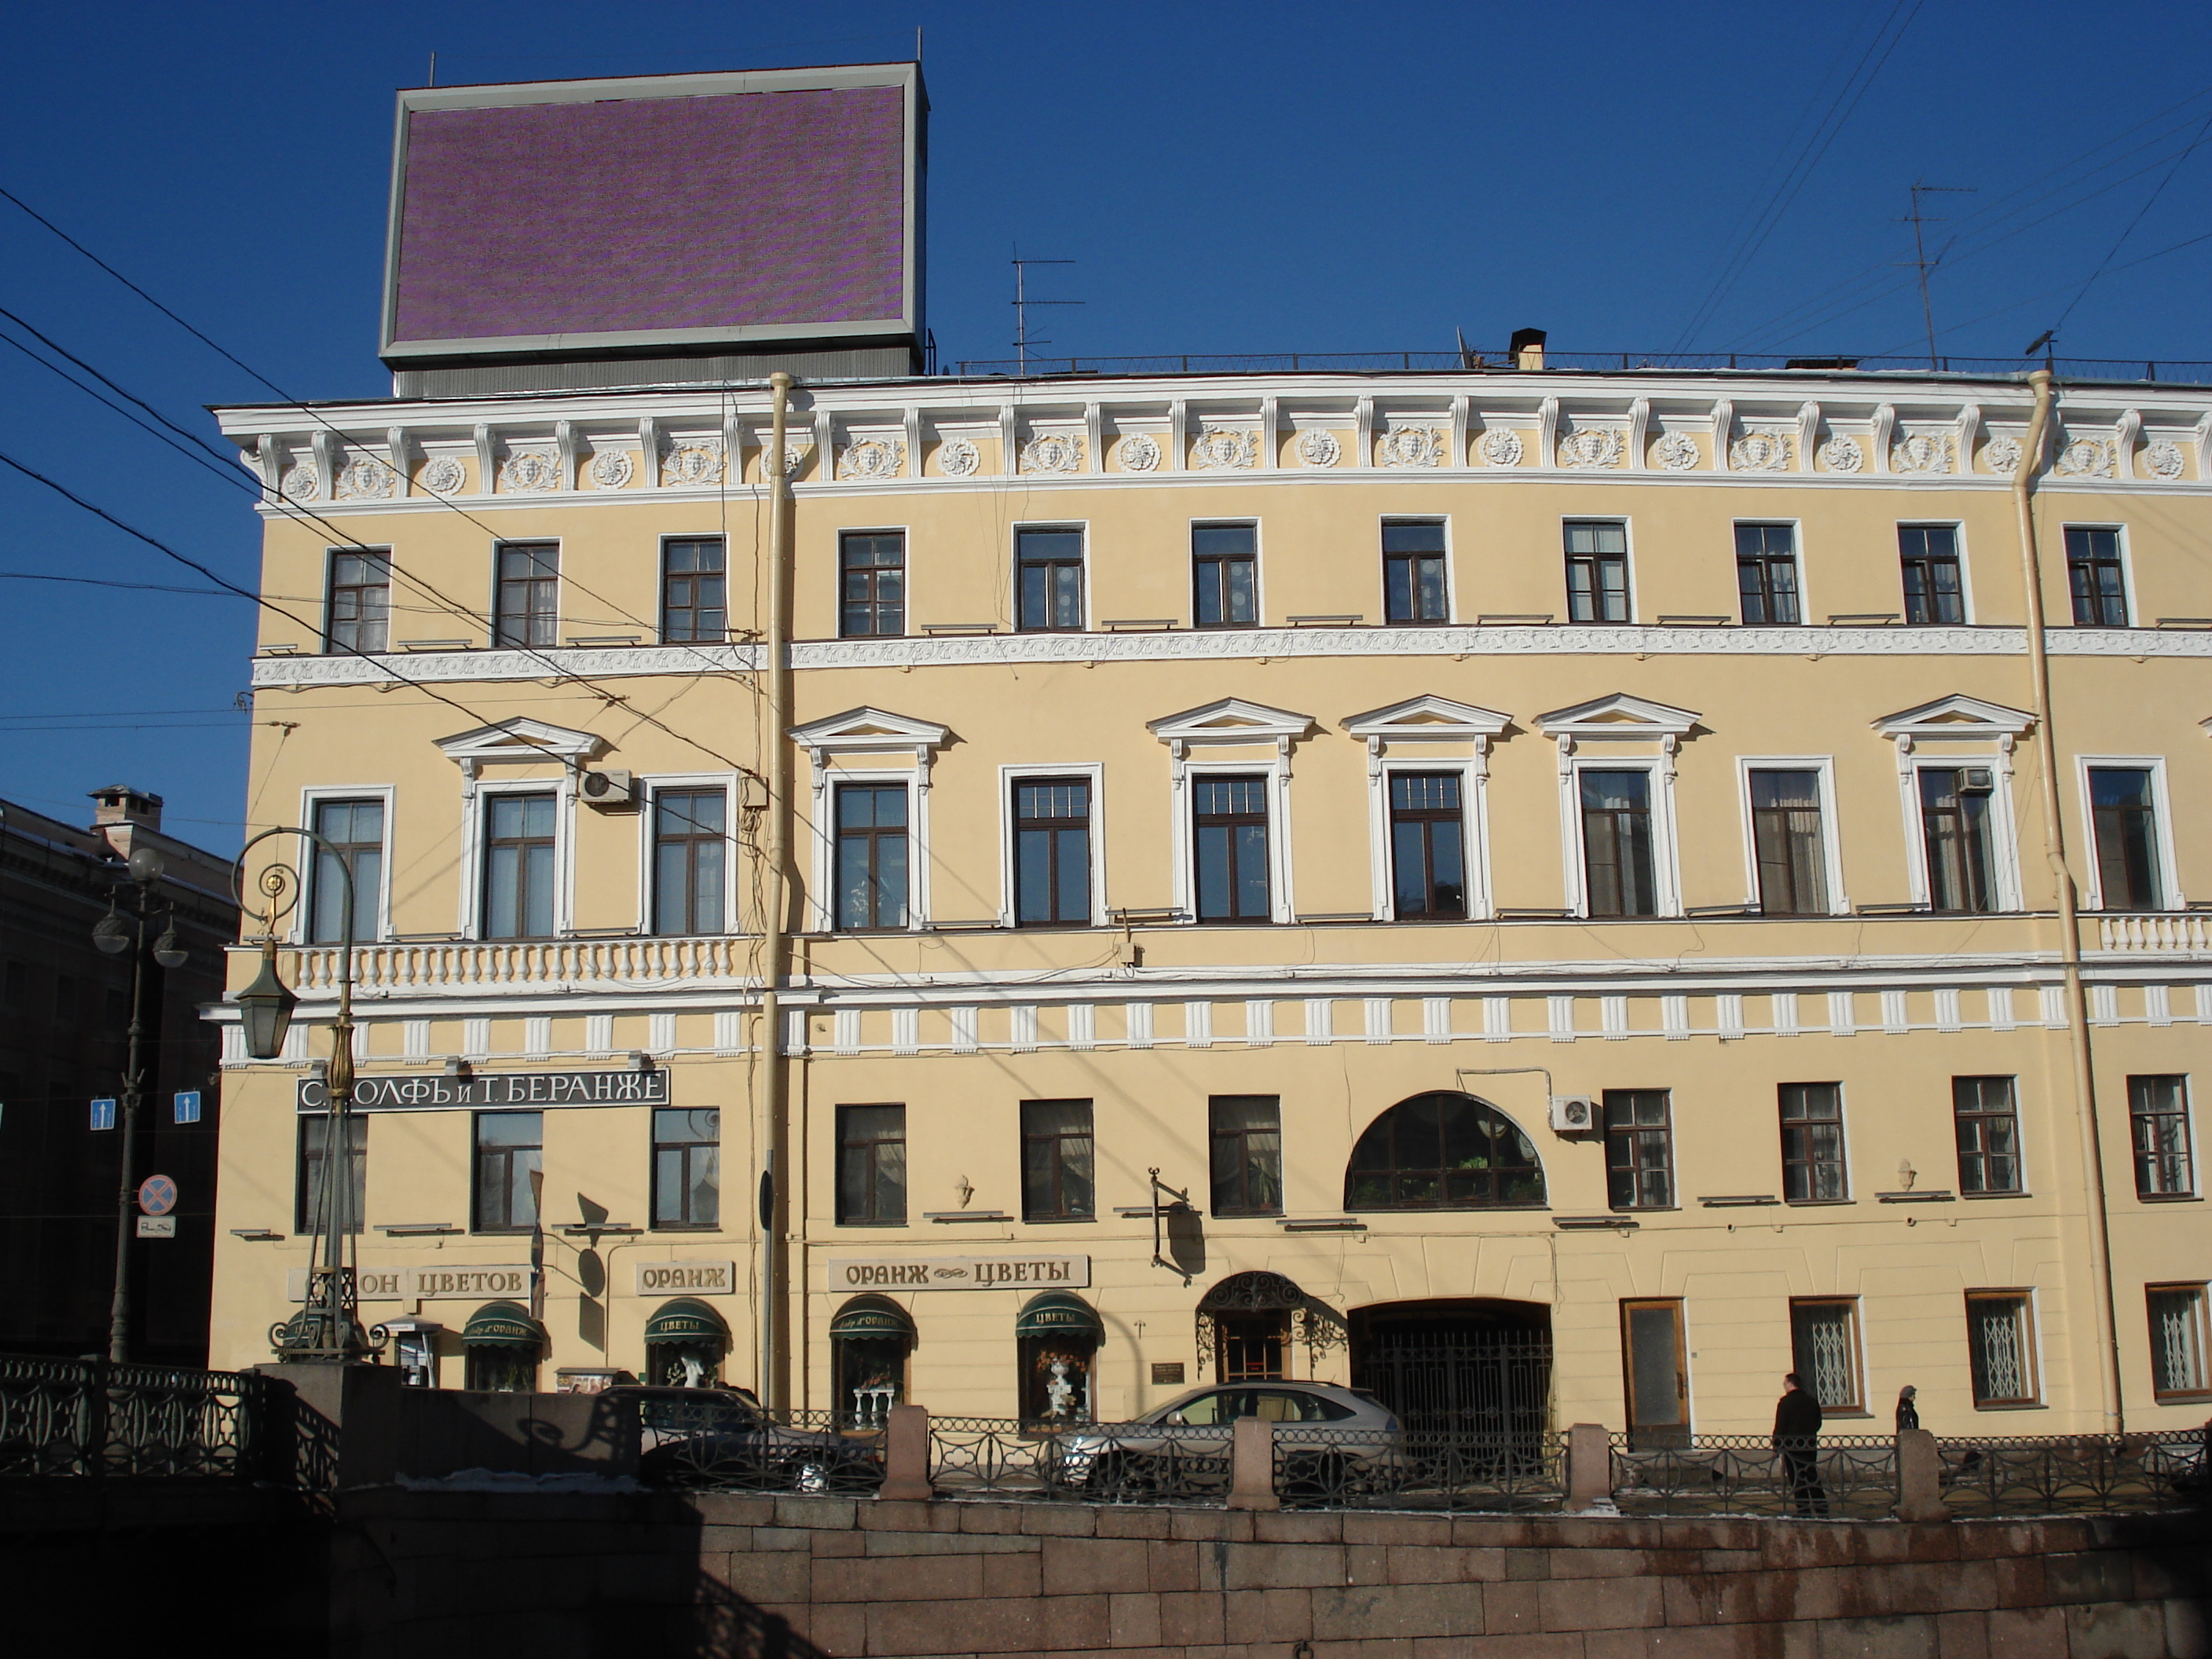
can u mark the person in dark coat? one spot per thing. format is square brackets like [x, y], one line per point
[1908, 1413]
[1797, 1438]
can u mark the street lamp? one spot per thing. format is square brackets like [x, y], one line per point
[326, 1328]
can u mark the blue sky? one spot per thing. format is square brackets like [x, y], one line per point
[1231, 178]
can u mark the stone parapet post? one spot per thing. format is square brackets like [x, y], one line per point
[1590, 1466]
[906, 1456]
[1252, 1466]
[1919, 1477]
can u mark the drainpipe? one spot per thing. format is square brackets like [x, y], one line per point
[768, 1125]
[2070, 921]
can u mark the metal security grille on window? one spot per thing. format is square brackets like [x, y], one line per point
[1229, 826]
[1224, 576]
[1826, 1352]
[529, 595]
[2158, 1116]
[1598, 572]
[2127, 837]
[1617, 850]
[690, 847]
[1048, 579]
[694, 593]
[1998, 1328]
[1934, 594]
[1785, 819]
[2093, 570]
[872, 575]
[1052, 852]
[354, 829]
[1766, 573]
[359, 602]
[871, 857]
[2177, 1327]
[687, 1161]
[1427, 860]
[1413, 587]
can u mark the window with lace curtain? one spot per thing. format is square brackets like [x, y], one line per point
[1824, 1341]
[2001, 1348]
[2179, 1338]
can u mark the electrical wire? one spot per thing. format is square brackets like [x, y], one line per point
[2151, 201]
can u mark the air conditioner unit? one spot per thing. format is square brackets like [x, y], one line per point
[1977, 780]
[1573, 1115]
[609, 789]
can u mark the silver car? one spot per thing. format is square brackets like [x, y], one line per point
[1328, 1441]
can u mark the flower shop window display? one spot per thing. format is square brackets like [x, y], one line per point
[1057, 1338]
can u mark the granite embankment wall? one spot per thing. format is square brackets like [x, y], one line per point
[430, 1573]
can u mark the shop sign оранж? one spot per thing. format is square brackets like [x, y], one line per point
[686, 1279]
[959, 1273]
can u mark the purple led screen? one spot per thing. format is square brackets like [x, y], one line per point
[655, 214]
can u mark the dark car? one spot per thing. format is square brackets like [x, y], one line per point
[723, 1438]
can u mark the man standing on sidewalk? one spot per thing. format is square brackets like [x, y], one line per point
[1797, 1438]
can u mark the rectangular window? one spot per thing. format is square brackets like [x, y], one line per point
[2179, 1341]
[2001, 1348]
[1813, 1143]
[310, 1197]
[1229, 829]
[2126, 816]
[1048, 581]
[1247, 1136]
[510, 1168]
[1959, 837]
[694, 599]
[519, 866]
[2093, 570]
[1052, 852]
[360, 609]
[1619, 872]
[1823, 1342]
[871, 1166]
[1597, 572]
[1987, 1119]
[687, 1167]
[528, 610]
[871, 856]
[1224, 565]
[871, 584]
[1639, 1150]
[1785, 833]
[1413, 587]
[2158, 1117]
[690, 850]
[1657, 1376]
[354, 830]
[1934, 594]
[1428, 859]
[1766, 573]
[1057, 1170]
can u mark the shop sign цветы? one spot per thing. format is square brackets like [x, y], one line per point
[432, 1284]
[435, 1092]
[960, 1273]
[686, 1279]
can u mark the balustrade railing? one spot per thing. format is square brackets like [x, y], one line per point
[2174, 931]
[89, 1418]
[478, 964]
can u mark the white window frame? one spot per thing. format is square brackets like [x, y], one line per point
[1831, 855]
[1573, 763]
[380, 915]
[1185, 843]
[332, 552]
[905, 533]
[1091, 772]
[1797, 558]
[1628, 544]
[1382, 572]
[2127, 569]
[1958, 529]
[2170, 895]
[1014, 572]
[648, 873]
[2005, 831]
[1843, 1119]
[477, 798]
[1475, 781]
[1190, 582]
[2188, 1127]
[827, 779]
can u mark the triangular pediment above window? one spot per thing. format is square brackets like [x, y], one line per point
[1619, 715]
[1955, 716]
[866, 731]
[520, 742]
[1232, 720]
[1433, 717]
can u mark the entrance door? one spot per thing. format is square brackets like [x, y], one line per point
[1461, 1368]
[1658, 1381]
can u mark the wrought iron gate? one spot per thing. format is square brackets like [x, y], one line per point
[1458, 1379]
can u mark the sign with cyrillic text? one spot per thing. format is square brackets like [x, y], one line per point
[370, 1284]
[427, 1283]
[959, 1273]
[687, 1278]
[435, 1092]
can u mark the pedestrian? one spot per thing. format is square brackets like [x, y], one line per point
[1908, 1415]
[1797, 1439]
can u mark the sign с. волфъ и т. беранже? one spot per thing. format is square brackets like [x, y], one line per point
[436, 1092]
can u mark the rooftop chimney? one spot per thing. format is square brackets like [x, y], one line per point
[1527, 348]
[121, 804]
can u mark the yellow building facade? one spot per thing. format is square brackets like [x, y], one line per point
[1525, 891]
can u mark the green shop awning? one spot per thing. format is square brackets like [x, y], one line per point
[504, 1325]
[1059, 1313]
[686, 1319]
[871, 1315]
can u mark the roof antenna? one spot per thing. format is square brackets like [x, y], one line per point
[1023, 340]
[917, 43]
[2043, 343]
[433, 68]
[1920, 259]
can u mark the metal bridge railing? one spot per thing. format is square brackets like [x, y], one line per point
[90, 1418]
[2072, 1475]
[1834, 1477]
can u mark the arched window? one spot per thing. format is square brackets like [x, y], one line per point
[1057, 1335]
[684, 1342]
[871, 1338]
[1443, 1151]
[504, 1344]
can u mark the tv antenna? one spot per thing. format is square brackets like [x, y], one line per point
[1920, 259]
[1023, 339]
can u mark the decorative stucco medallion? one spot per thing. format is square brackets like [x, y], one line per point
[691, 463]
[443, 475]
[367, 479]
[1318, 448]
[530, 471]
[1921, 451]
[1410, 446]
[1052, 452]
[2163, 459]
[1760, 451]
[1138, 452]
[2085, 458]
[1590, 446]
[871, 457]
[2002, 455]
[1842, 455]
[956, 457]
[299, 483]
[610, 468]
[1501, 447]
[1677, 452]
[1219, 449]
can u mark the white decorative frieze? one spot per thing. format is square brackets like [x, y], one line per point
[1921, 453]
[871, 457]
[610, 468]
[1052, 452]
[1842, 455]
[958, 458]
[299, 483]
[691, 465]
[2085, 458]
[1760, 451]
[1591, 447]
[2163, 460]
[444, 475]
[1138, 452]
[1410, 446]
[1319, 448]
[1219, 449]
[1500, 447]
[529, 471]
[367, 479]
[2002, 455]
[1676, 451]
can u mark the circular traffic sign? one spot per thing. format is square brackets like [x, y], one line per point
[157, 1194]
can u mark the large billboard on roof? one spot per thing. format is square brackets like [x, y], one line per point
[668, 212]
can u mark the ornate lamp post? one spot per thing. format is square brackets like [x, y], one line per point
[326, 1328]
[114, 934]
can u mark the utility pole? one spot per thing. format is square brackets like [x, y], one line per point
[1022, 304]
[1921, 262]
